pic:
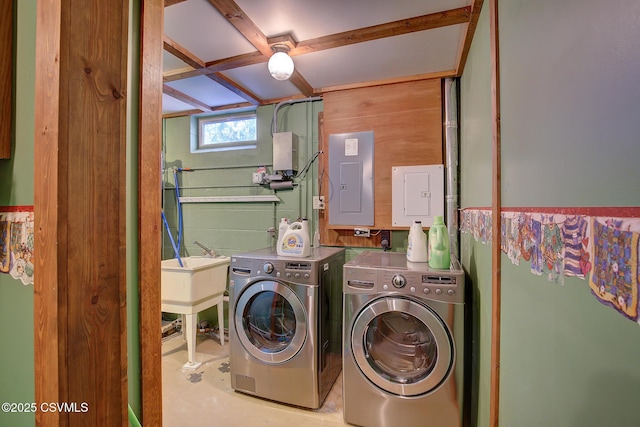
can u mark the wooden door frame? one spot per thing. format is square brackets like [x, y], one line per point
[51, 180]
[80, 128]
[149, 208]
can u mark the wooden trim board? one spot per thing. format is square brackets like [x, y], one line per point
[6, 77]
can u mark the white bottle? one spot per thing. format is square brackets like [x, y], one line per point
[295, 241]
[282, 228]
[417, 243]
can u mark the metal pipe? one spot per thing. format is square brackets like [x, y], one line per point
[451, 158]
[206, 168]
[274, 121]
[208, 251]
[200, 187]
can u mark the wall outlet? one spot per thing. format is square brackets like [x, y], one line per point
[385, 239]
[318, 202]
[258, 177]
[362, 232]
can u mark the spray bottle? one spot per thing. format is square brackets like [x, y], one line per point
[282, 228]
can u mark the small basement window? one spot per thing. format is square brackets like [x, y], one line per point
[228, 132]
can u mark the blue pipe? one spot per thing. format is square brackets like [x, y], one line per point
[179, 205]
[176, 250]
[176, 247]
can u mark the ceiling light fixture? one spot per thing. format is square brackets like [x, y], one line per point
[280, 63]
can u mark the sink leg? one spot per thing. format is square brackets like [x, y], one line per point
[190, 328]
[184, 326]
[221, 321]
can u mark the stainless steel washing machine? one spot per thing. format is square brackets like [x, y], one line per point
[285, 328]
[403, 329]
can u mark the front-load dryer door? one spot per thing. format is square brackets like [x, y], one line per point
[270, 321]
[402, 346]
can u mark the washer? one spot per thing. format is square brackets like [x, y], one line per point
[402, 324]
[285, 328]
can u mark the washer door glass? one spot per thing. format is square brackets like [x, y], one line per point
[271, 321]
[402, 346]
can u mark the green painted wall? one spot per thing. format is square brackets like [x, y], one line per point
[231, 228]
[16, 189]
[236, 227]
[569, 118]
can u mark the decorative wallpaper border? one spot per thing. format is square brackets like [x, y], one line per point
[16, 242]
[599, 245]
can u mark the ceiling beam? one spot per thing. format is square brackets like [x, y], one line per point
[185, 98]
[245, 26]
[237, 61]
[417, 77]
[199, 65]
[236, 17]
[232, 86]
[220, 108]
[476, 7]
[420, 23]
[181, 113]
[390, 29]
[168, 3]
[299, 82]
[182, 53]
[217, 66]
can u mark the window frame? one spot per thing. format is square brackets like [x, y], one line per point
[224, 146]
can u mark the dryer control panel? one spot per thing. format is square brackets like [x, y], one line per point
[376, 272]
[435, 287]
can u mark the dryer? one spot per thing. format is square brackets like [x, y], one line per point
[403, 332]
[285, 327]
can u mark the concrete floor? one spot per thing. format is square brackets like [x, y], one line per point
[203, 397]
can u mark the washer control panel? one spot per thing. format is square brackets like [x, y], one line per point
[293, 271]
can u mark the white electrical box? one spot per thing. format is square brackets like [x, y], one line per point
[417, 194]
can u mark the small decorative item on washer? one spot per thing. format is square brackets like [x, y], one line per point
[439, 252]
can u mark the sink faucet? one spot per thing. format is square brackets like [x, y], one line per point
[206, 250]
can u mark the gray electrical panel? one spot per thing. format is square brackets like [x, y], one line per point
[285, 152]
[351, 178]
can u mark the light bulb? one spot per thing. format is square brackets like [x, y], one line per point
[280, 66]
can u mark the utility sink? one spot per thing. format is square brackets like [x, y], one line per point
[197, 285]
[200, 278]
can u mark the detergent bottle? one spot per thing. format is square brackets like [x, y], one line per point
[282, 228]
[439, 252]
[417, 244]
[295, 241]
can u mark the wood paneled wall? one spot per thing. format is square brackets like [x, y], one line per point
[406, 119]
[6, 76]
